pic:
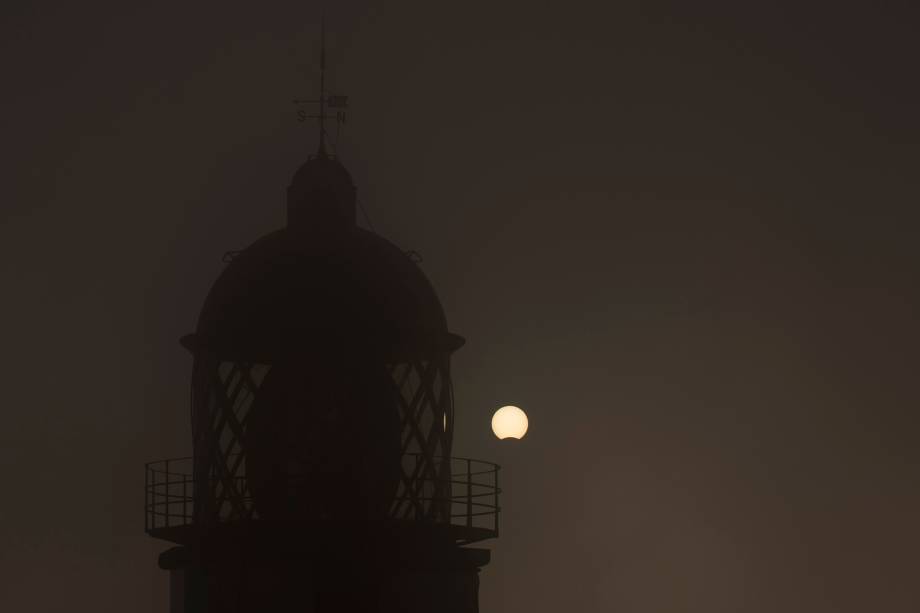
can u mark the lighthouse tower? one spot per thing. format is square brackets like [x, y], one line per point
[322, 416]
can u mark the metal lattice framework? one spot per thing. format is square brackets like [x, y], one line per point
[223, 393]
[222, 396]
[426, 410]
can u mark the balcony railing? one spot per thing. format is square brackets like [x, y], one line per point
[469, 498]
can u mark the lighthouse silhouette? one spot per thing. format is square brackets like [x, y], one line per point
[322, 411]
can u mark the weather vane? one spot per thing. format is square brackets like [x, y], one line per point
[337, 102]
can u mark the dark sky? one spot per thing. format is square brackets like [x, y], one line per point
[681, 235]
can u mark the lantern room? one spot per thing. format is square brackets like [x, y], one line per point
[321, 387]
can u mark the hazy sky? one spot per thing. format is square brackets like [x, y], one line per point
[681, 235]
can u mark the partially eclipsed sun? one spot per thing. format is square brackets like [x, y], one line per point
[509, 422]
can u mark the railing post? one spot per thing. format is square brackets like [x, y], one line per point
[469, 494]
[167, 493]
[418, 490]
[184, 500]
[495, 472]
[146, 496]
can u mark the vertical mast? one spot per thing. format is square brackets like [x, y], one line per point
[322, 88]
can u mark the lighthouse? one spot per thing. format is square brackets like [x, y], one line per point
[322, 419]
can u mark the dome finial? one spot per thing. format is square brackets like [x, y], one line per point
[321, 196]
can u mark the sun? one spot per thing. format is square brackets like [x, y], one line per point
[509, 422]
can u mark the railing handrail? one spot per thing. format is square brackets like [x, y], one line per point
[493, 465]
[166, 507]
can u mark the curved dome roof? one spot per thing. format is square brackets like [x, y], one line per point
[322, 168]
[321, 196]
[287, 295]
